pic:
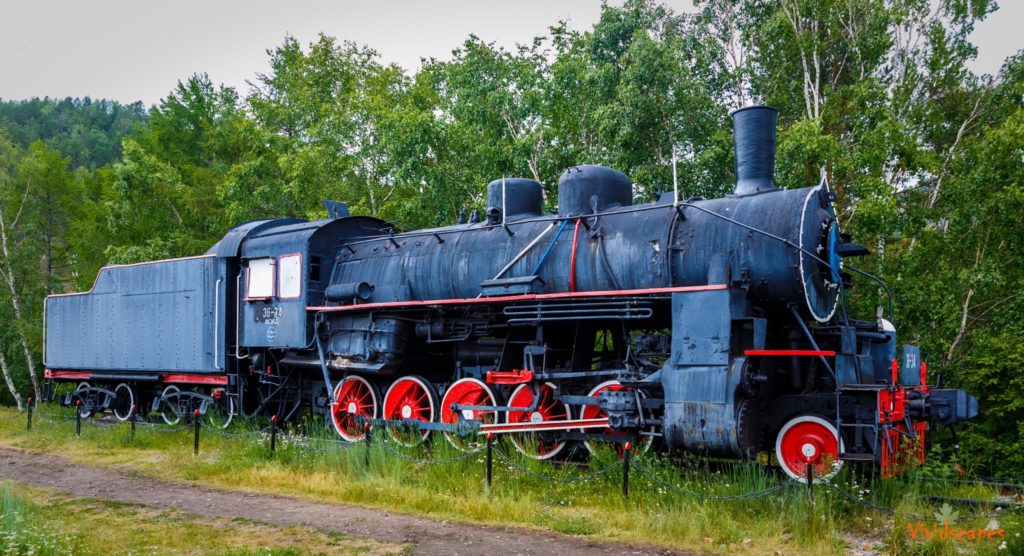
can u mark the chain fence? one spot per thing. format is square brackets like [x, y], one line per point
[386, 444]
[703, 496]
[1001, 507]
[578, 479]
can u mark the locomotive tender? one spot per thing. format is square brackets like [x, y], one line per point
[713, 326]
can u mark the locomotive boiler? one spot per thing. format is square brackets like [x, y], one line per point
[713, 326]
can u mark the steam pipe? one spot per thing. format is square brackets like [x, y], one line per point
[551, 246]
[572, 263]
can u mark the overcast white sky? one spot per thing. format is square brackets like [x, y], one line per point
[136, 50]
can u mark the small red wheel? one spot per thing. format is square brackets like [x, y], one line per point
[354, 396]
[544, 445]
[593, 412]
[808, 439]
[468, 391]
[410, 397]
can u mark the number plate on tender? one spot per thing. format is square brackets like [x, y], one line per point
[268, 314]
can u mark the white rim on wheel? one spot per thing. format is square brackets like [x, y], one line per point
[168, 414]
[123, 389]
[215, 422]
[467, 391]
[809, 439]
[532, 445]
[410, 397]
[85, 413]
[353, 396]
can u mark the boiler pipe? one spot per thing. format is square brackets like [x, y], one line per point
[572, 263]
[523, 253]
[551, 246]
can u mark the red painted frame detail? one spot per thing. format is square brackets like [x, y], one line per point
[187, 378]
[511, 298]
[566, 425]
[180, 378]
[73, 375]
[509, 377]
[788, 353]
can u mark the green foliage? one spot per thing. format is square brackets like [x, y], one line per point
[874, 96]
[40, 522]
[23, 532]
[88, 132]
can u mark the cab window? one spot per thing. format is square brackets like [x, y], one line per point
[261, 279]
[289, 276]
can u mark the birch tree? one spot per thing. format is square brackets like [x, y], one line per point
[10, 219]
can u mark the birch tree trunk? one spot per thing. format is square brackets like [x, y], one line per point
[7, 379]
[8, 272]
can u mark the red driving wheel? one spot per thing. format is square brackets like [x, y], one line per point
[593, 412]
[467, 391]
[808, 439]
[538, 445]
[410, 397]
[354, 396]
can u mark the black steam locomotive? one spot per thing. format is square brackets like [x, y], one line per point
[715, 326]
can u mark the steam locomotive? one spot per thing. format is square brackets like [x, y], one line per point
[713, 326]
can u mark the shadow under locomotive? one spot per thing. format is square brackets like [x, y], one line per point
[716, 326]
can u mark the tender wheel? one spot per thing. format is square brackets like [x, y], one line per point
[124, 407]
[468, 391]
[410, 397]
[544, 445]
[220, 413]
[354, 396]
[808, 439]
[82, 410]
[166, 411]
[643, 443]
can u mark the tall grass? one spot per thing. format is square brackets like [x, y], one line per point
[23, 531]
[309, 462]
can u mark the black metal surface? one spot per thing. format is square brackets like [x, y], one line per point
[514, 198]
[754, 143]
[589, 189]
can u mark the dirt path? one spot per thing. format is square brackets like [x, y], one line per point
[425, 536]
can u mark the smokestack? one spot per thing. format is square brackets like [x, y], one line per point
[754, 141]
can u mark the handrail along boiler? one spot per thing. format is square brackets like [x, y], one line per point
[716, 326]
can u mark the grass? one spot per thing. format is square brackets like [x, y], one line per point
[38, 521]
[653, 514]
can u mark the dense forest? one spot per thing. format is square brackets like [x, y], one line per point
[874, 96]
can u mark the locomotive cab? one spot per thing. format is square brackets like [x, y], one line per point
[285, 269]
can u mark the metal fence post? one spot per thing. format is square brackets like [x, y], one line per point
[490, 458]
[132, 437]
[78, 418]
[195, 423]
[366, 453]
[625, 468]
[810, 484]
[273, 435]
[29, 413]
